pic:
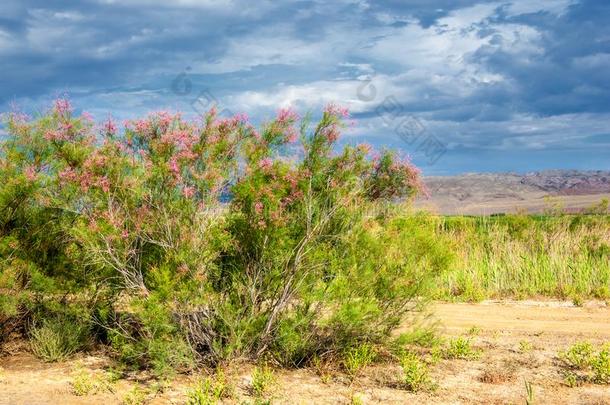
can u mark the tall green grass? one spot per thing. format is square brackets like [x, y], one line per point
[521, 256]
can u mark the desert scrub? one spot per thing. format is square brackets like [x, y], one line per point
[56, 339]
[306, 257]
[415, 373]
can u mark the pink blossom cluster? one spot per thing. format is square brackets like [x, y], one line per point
[336, 110]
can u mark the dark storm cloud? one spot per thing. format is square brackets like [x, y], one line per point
[506, 76]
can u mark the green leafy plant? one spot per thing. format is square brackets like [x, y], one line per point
[210, 390]
[263, 379]
[461, 348]
[600, 364]
[135, 396]
[415, 372]
[85, 383]
[357, 358]
[579, 355]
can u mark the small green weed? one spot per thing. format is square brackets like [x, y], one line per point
[461, 348]
[85, 383]
[529, 393]
[525, 346]
[415, 373]
[263, 379]
[135, 396]
[210, 390]
[579, 355]
[600, 364]
[357, 358]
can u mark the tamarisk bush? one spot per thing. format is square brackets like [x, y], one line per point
[124, 230]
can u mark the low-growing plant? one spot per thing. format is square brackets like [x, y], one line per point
[356, 399]
[135, 396]
[356, 358]
[263, 379]
[85, 383]
[56, 339]
[210, 390]
[586, 363]
[415, 374]
[460, 348]
[600, 365]
[571, 379]
[579, 355]
[525, 346]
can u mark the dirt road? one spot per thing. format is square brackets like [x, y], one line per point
[557, 317]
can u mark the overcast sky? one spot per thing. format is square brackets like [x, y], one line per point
[460, 85]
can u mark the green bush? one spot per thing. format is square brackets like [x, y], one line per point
[56, 339]
[126, 229]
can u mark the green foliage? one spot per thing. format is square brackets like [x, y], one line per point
[579, 355]
[600, 364]
[56, 339]
[356, 358]
[85, 383]
[460, 348]
[126, 229]
[522, 255]
[529, 393]
[263, 380]
[210, 390]
[416, 376]
[587, 363]
[135, 396]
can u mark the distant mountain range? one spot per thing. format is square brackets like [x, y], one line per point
[486, 193]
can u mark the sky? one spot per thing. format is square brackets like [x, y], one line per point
[457, 85]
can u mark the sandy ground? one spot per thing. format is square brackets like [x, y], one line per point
[498, 329]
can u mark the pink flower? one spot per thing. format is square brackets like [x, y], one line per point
[286, 116]
[173, 166]
[62, 106]
[336, 110]
[291, 135]
[125, 234]
[241, 117]
[68, 174]
[87, 116]
[110, 126]
[30, 173]
[265, 163]
[104, 184]
[188, 191]
[258, 207]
